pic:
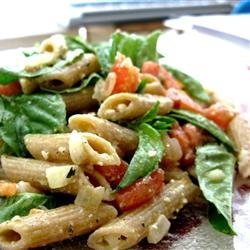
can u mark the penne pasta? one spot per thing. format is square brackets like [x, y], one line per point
[52, 147]
[51, 50]
[153, 85]
[80, 148]
[126, 106]
[239, 129]
[69, 75]
[79, 101]
[44, 227]
[128, 229]
[34, 171]
[123, 139]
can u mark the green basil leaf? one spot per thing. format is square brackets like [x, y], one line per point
[215, 172]
[218, 221]
[204, 123]
[7, 76]
[91, 80]
[76, 42]
[102, 51]
[148, 116]
[21, 205]
[147, 156]
[158, 122]
[142, 86]
[138, 48]
[192, 86]
[25, 114]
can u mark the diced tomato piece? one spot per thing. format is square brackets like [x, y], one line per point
[141, 191]
[150, 67]
[189, 138]
[183, 101]
[10, 89]
[161, 73]
[7, 188]
[113, 174]
[220, 114]
[127, 75]
[194, 134]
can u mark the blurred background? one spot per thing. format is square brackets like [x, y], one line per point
[31, 20]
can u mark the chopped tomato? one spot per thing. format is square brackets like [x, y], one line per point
[161, 73]
[194, 134]
[7, 188]
[220, 114]
[10, 89]
[113, 174]
[189, 138]
[141, 191]
[183, 101]
[127, 75]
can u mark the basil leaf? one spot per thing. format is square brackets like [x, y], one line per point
[138, 48]
[142, 86]
[21, 204]
[215, 172]
[192, 86]
[75, 42]
[147, 156]
[25, 114]
[102, 51]
[8, 75]
[158, 122]
[91, 80]
[204, 123]
[148, 116]
[218, 221]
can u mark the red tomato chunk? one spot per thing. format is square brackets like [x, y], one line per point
[141, 191]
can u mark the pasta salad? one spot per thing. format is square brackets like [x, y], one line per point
[103, 140]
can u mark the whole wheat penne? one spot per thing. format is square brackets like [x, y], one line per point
[51, 49]
[239, 130]
[80, 101]
[2, 174]
[125, 140]
[127, 106]
[128, 229]
[34, 171]
[153, 85]
[69, 75]
[80, 148]
[53, 147]
[44, 227]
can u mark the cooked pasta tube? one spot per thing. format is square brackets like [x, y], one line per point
[28, 86]
[127, 106]
[80, 148]
[59, 224]
[80, 101]
[130, 228]
[2, 174]
[53, 147]
[239, 129]
[125, 140]
[88, 148]
[34, 171]
[153, 85]
[69, 75]
[51, 49]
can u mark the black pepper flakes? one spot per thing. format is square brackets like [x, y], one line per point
[70, 229]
